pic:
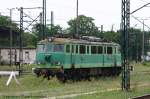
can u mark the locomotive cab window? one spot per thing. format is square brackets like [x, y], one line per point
[40, 47]
[48, 47]
[82, 49]
[58, 48]
[109, 50]
[77, 49]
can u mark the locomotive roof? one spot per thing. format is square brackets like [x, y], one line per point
[76, 41]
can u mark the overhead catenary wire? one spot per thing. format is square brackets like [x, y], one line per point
[140, 21]
[140, 8]
[144, 1]
[32, 22]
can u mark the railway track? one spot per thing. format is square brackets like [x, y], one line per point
[142, 97]
[24, 97]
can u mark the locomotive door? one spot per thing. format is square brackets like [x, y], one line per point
[104, 56]
[110, 56]
[72, 56]
[108, 59]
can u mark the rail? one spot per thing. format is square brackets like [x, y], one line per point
[142, 97]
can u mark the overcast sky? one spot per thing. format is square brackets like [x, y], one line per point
[105, 12]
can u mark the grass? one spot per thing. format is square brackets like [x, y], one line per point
[33, 86]
[13, 67]
[116, 94]
[29, 85]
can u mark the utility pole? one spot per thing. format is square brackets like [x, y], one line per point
[40, 35]
[77, 21]
[10, 38]
[44, 19]
[143, 37]
[20, 39]
[52, 18]
[143, 41]
[136, 47]
[43, 30]
[112, 28]
[10, 52]
[125, 25]
[11, 34]
[52, 21]
[101, 28]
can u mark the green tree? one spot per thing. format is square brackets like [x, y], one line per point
[29, 40]
[135, 44]
[5, 23]
[54, 30]
[5, 26]
[111, 36]
[51, 30]
[38, 30]
[86, 26]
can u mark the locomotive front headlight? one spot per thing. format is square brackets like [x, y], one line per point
[58, 63]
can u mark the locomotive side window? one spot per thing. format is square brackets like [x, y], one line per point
[118, 50]
[87, 49]
[100, 50]
[68, 48]
[82, 49]
[58, 48]
[105, 50]
[72, 49]
[93, 49]
[96, 49]
[77, 48]
[109, 50]
[115, 48]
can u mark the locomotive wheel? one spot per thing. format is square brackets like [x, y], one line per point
[61, 77]
[37, 72]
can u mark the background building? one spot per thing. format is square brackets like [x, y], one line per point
[28, 55]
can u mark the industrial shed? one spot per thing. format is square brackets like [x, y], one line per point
[28, 55]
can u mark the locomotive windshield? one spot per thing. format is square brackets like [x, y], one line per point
[58, 48]
[40, 47]
[48, 47]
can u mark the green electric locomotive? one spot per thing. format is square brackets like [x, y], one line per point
[68, 58]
